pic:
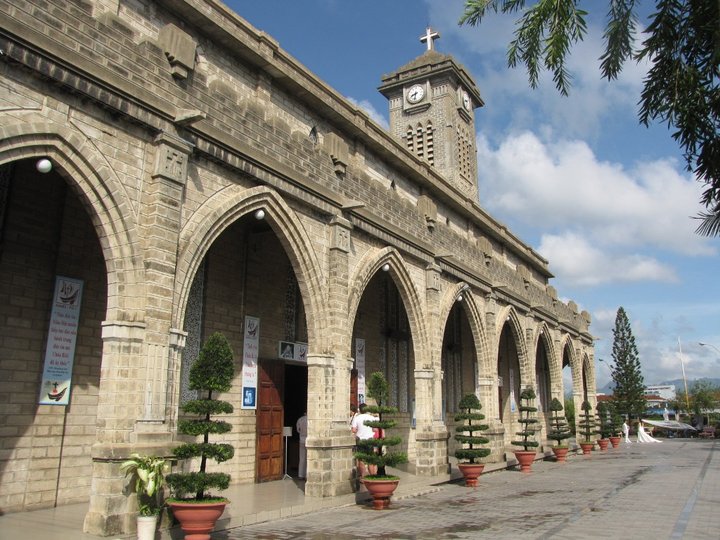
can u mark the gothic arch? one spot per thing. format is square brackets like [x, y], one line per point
[554, 359]
[575, 367]
[475, 319]
[369, 265]
[510, 316]
[225, 207]
[102, 194]
[589, 373]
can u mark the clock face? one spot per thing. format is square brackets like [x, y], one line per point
[466, 101]
[416, 93]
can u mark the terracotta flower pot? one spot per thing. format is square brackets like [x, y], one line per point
[471, 472]
[560, 453]
[381, 491]
[525, 459]
[197, 520]
[603, 444]
[615, 441]
[586, 448]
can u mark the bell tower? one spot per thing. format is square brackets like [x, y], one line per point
[432, 100]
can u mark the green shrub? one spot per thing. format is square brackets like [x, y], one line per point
[559, 428]
[212, 372]
[587, 422]
[375, 451]
[466, 434]
[605, 420]
[527, 421]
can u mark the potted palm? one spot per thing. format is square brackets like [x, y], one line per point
[149, 474]
[375, 451]
[605, 425]
[559, 431]
[192, 504]
[587, 427]
[527, 421]
[469, 435]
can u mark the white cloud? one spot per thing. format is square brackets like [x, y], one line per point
[579, 263]
[592, 99]
[366, 106]
[603, 222]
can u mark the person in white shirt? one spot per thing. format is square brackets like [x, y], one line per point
[301, 426]
[626, 432]
[362, 432]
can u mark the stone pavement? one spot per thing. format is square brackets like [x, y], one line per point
[639, 491]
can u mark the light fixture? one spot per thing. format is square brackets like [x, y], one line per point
[44, 165]
[703, 344]
[260, 214]
[385, 267]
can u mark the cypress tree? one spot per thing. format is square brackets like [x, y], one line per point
[629, 391]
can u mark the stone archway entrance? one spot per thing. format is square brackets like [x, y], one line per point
[46, 234]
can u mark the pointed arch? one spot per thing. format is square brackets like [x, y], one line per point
[509, 315]
[102, 194]
[589, 378]
[566, 344]
[371, 263]
[225, 207]
[475, 319]
[544, 336]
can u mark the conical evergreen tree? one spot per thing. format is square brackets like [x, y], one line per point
[629, 391]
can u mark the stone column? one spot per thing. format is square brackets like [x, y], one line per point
[138, 360]
[330, 442]
[120, 400]
[490, 382]
[431, 435]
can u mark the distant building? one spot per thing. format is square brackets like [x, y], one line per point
[666, 391]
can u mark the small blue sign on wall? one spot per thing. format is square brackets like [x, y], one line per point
[249, 397]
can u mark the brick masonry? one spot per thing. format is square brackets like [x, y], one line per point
[165, 142]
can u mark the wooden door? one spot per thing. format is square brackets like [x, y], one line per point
[270, 414]
[354, 387]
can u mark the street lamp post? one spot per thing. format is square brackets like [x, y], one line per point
[682, 365]
[709, 345]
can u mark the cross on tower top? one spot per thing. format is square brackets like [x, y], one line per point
[429, 37]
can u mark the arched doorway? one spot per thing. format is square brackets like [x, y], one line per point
[381, 330]
[246, 275]
[508, 375]
[459, 366]
[46, 238]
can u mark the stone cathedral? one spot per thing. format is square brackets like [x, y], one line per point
[168, 171]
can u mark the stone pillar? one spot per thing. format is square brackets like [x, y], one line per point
[330, 442]
[120, 400]
[431, 435]
[488, 388]
[138, 359]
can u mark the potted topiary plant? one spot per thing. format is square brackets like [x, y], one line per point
[616, 423]
[375, 451]
[605, 422]
[587, 428]
[149, 474]
[559, 430]
[526, 456]
[467, 434]
[212, 372]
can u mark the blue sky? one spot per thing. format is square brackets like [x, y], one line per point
[606, 200]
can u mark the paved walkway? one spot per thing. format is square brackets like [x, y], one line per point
[640, 491]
